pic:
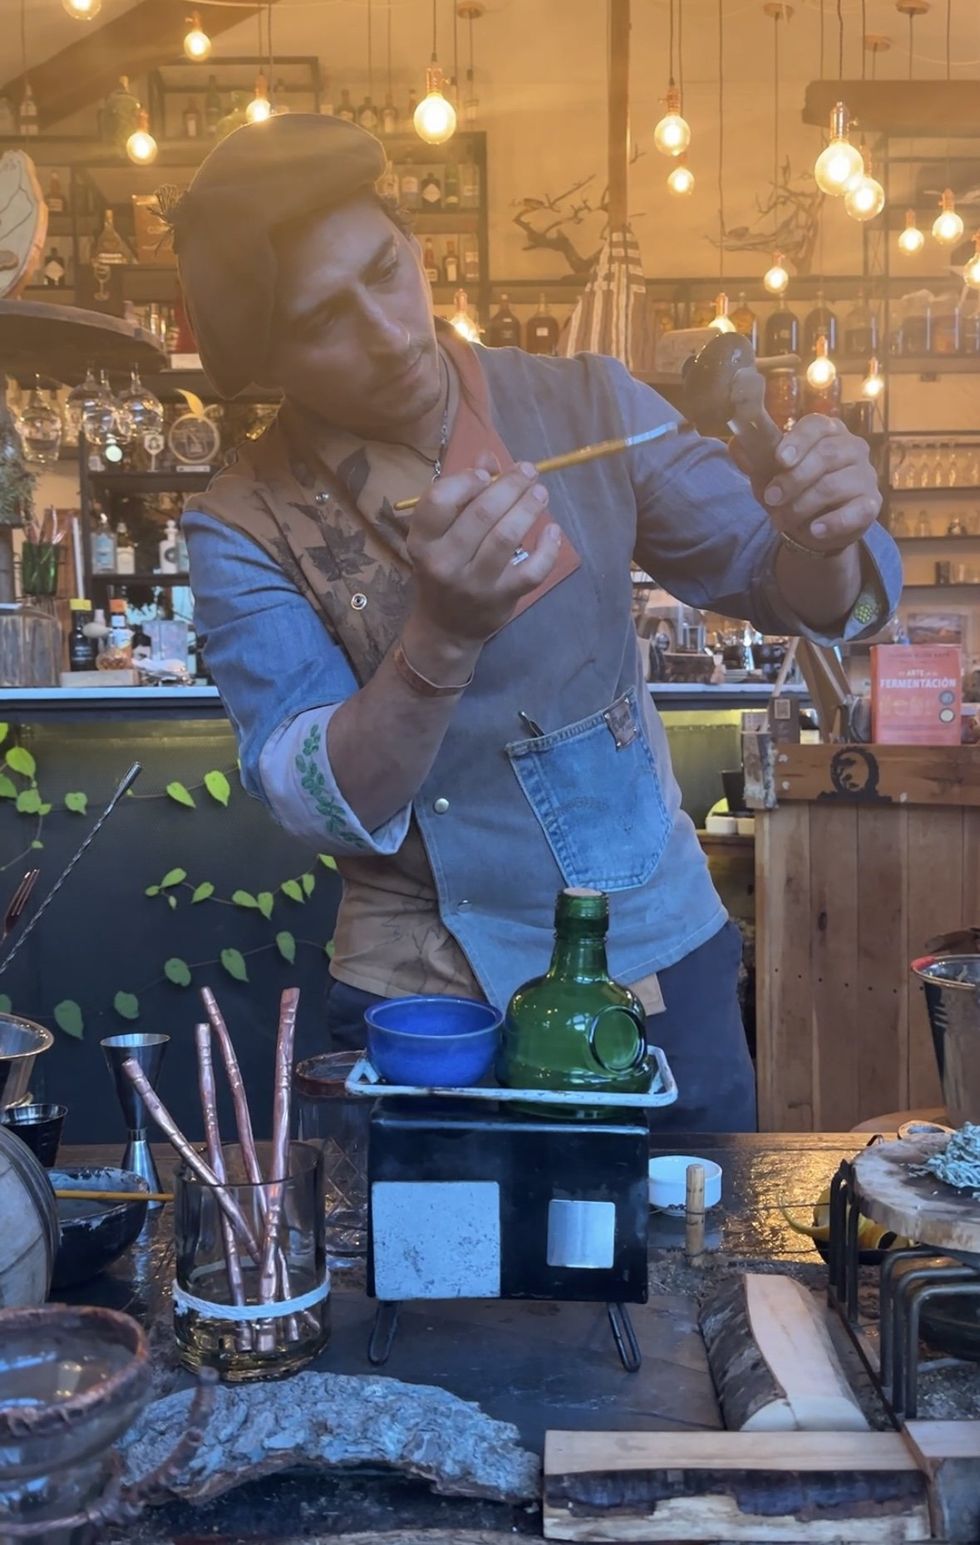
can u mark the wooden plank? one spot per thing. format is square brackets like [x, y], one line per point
[897, 106]
[949, 1453]
[130, 43]
[913, 775]
[878, 1073]
[784, 1026]
[619, 112]
[833, 928]
[936, 879]
[733, 1486]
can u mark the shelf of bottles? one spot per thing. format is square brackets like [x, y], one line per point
[934, 506]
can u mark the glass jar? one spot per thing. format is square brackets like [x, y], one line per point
[337, 1123]
[229, 1315]
[782, 397]
[30, 645]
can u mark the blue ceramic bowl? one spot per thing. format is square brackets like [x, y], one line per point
[435, 1043]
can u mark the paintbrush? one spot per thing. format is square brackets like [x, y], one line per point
[586, 453]
[114, 1196]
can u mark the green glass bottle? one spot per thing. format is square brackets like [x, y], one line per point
[575, 1028]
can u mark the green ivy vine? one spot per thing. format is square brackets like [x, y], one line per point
[174, 889]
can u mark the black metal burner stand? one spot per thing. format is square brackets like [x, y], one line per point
[908, 1280]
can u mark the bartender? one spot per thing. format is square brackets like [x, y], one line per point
[451, 701]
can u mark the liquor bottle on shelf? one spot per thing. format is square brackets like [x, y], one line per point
[191, 118]
[212, 106]
[745, 321]
[946, 326]
[541, 335]
[471, 262]
[117, 652]
[368, 116]
[410, 187]
[820, 320]
[345, 108]
[103, 545]
[83, 651]
[504, 330]
[450, 264]
[783, 332]
[125, 551]
[168, 550]
[413, 103]
[860, 330]
[702, 313]
[389, 186]
[431, 192]
[450, 186]
[27, 115]
[575, 1027]
[55, 270]
[8, 118]
[389, 116]
[109, 245]
[430, 262]
[469, 184]
[55, 198]
[917, 325]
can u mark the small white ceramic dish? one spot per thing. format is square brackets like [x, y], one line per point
[668, 1182]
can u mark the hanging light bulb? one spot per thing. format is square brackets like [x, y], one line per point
[865, 197]
[874, 382]
[81, 10]
[680, 180]
[435, 116]
[721, 322]
[840, 161]
[821, 370]
[197, 44]
[776, 278]
[260, 108]
[948, 225]
[911, 239]
[461, 321]
[971, 272]
[673, 133]
[141, 147]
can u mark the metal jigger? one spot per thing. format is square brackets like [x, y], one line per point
[148, 1051]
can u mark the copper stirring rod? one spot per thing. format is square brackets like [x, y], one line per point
[586, 453]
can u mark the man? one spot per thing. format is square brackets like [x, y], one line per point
[450, 700]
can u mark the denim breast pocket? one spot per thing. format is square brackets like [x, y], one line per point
[594, 789]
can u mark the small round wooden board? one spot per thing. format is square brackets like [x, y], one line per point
[921, 1207]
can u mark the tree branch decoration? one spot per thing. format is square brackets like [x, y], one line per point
[542, 220]
[797, 205]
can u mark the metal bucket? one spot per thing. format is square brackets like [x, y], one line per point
[20, 1042]
[952, 988]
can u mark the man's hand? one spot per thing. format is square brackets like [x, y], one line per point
[462, 540]
[825, 493]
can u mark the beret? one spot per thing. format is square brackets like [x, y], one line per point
[290, 166]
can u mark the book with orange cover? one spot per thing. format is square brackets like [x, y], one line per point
[915, 694]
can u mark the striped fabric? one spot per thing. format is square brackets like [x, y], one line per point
[609, 316]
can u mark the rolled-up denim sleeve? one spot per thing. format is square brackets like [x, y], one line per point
[281, 677]
[703, 535]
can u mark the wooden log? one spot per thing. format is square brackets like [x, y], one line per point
[772, 1359]
[734, 1486]
[949, 1454]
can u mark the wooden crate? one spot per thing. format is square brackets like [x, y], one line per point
[871, 851]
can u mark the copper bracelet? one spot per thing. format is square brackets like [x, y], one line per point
[421, 684]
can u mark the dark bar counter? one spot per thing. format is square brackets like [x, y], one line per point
[538, 1365]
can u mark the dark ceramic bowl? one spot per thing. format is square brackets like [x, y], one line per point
[94, 1234]
[434, 1043]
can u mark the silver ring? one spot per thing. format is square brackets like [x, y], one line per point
[520, 553]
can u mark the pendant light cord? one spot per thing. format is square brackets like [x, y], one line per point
[389, 50]
[434, 31]
[670, 45]
[840, 40]
[370, 46]
[823, 19]
[864, 39]
[775, 120]
[456, 53]
[949, 25]
[721, 141]
[680, 47]
[911, 39]
[23, 37]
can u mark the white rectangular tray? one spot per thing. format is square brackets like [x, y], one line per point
[364, 1079]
